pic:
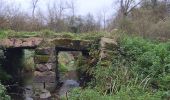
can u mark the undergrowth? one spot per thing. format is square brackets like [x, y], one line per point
[139, 71]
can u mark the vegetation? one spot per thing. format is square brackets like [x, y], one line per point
[139, 71]
[3, 77]
[3, 95]
[28, 61]
[139, 67]
[66, 62]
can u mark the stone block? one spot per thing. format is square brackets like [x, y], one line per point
[108, 43]
[45, 67]
[44, 51]
[44, 59]
[107, 54]
[47, 77]
[71, 44]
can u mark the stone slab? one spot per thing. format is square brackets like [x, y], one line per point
[44, 59]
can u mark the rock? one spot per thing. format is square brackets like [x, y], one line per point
[44, 59]
[106, 54]
[41, 68]
[66, 43]
[45, 94]
[37, 73]
[45, 67]
[47, 77]
[108, 48]
[108, 43]
[68, 84]
[44, 50]
[51, 66]
[28, 98]
[21, 42]
[46, 73]
[71, 83]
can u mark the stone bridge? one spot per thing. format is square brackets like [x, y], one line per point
[45, 58]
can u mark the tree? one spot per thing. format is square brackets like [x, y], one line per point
[126, 6]
[34, 6]
[154, 3]
[72, 6]
[56, 16]
[3, 20]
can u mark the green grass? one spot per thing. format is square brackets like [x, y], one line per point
[51, 34]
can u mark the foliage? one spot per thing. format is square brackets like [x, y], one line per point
[3, 95]
[28, 61]
[148, 20]
[66, 62]
[138, 71]
[149, 58]
[130, 93]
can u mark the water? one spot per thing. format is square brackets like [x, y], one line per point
[67, 86]
[23, 90]
[70, 81]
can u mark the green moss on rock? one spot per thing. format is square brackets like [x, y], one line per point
[42, 59]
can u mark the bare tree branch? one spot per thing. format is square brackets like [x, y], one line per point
[34, 6]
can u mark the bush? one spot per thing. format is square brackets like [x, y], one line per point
[3, 95]
[131, 93]
[139, 71]
[147, 58]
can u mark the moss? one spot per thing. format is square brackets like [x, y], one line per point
[43, 51]
[42, 58]
[51, 34]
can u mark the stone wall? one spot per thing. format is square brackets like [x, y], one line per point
[108, 48]
[45, 69]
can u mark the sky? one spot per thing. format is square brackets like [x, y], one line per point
[83, 7]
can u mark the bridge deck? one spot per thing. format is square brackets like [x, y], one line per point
[33, 42]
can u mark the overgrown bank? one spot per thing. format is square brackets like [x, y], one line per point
[139, 71]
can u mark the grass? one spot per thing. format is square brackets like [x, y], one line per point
[139, 71]
[51, 34]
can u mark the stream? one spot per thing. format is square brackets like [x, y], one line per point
[23, 89]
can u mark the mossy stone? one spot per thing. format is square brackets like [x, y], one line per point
[42, 59]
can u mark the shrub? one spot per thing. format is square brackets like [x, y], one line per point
[130, 93]
[3, 95]
[140, 71]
